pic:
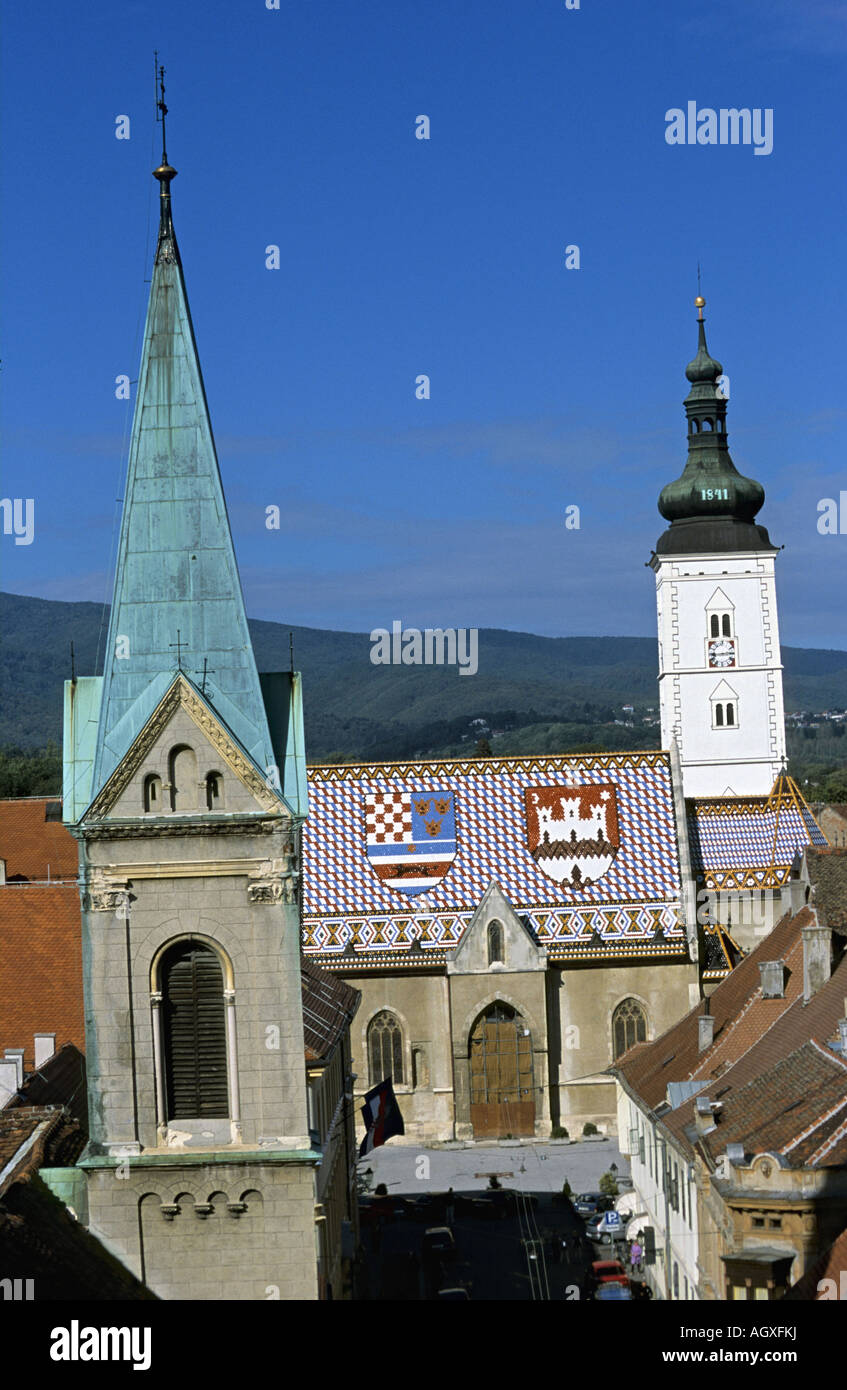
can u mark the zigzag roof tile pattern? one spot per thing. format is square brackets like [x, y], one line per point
[748, 842]
[632, 906]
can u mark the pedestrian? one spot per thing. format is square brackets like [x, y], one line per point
[451, 1207]
[635, 1253]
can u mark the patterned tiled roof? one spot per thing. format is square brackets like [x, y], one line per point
[748, 842]
[622, 901]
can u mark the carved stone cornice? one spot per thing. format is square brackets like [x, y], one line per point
[144, 829]
[181, 696]
[275, 880]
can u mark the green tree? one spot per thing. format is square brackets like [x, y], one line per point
[608, 1185]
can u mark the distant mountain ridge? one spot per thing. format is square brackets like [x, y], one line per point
[357, 710]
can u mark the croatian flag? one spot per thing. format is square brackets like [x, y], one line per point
[381, 1115]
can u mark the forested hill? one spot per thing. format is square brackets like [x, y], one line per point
[575, 686]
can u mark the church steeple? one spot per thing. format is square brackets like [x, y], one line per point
[712, 506]
[177, 604]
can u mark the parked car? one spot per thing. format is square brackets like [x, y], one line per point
[612, 1293]
[590, 1203]
[609, 1272]
[606, 1227]
[438, 1243]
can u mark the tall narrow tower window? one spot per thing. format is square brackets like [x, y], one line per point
[495, 943]
[194, 1032]
[214, 791]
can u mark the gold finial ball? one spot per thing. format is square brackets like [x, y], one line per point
[699, 302]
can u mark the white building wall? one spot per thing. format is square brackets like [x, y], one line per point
[659, 1172]
[744, 759]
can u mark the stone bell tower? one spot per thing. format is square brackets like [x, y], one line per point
[185, 788]
[720, 668]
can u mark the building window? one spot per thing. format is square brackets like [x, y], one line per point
[629, 1026]
[194, 1028]
[495, 943]
[385, 1048]
[152, 792]
[714, 625]
[214, 791]
[724, 702]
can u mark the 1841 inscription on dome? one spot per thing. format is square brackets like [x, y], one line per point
[572, 832]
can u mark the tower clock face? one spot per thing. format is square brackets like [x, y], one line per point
[721, 652]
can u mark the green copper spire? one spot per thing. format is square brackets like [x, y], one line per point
[711, 507]
[177, 602]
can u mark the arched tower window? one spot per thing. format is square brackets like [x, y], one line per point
[714, 625]
[719, 716]
[385, 1048]
[182, 770]
[726, 624]
[214, 791]
[194, 1032]
[629, 1026]
[152, 800]
[495, 943]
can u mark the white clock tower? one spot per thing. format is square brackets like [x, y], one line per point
[720, 670]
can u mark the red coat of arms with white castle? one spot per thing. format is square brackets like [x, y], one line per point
[572, 832]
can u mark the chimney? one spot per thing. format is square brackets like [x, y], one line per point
[817, 958]
[706, 1114]
[2, 871]
[772, 979]
[705, 1029]
[842, 1034]
[793, 895]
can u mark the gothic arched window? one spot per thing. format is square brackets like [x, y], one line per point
[385, 1048]
[194, 1029]
[629, 1026]
[495, 943]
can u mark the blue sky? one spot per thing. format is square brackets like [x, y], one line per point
[447, 257]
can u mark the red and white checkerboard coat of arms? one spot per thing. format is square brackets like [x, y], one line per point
[572, 832]
[411, 838]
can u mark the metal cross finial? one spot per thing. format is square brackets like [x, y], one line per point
[179, 644]
[206, 672]
[291, 651]
[698, 277]
[160, 103]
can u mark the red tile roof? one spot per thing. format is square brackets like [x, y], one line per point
[33, 847]
[40, 966]
[772, 1066]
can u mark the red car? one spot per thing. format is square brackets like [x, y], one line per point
[609, 1272]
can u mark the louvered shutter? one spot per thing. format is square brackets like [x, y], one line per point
[195, 1033]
